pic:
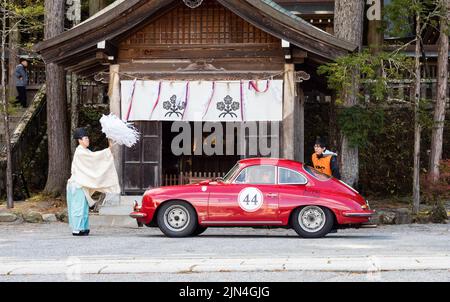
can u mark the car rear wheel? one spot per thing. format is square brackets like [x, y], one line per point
[312, 221]
[177, 219]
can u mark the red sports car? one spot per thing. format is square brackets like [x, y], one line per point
[256, 192]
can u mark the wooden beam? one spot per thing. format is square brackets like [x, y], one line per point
[127, 52]
[289, 104]
[300, 124]
[115, 105]
[108, 48]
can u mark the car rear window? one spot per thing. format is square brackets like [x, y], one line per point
[288, 176]
[316, 174]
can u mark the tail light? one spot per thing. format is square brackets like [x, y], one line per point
[136, 206]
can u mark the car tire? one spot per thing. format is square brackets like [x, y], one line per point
[312, 221]
[177, 219]
[199, 230]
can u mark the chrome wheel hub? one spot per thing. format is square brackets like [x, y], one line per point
[176, 218]
[311, 219]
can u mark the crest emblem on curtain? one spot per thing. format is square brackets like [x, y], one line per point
[174, 107]
[227, 107]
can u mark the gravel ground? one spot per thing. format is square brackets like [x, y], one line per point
[54, 242]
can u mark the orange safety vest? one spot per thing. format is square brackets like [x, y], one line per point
[322, 164]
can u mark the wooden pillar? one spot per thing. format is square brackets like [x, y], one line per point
[300, 124]
[114, 105]
[289, 105]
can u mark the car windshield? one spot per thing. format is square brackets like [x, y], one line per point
[316, 174]
[227, 177]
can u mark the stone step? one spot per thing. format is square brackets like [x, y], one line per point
[112, 220]
[123, 210]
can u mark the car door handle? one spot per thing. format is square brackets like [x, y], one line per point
[272, 195]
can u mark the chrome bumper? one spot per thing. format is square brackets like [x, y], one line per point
[138, 215]
[358, 214]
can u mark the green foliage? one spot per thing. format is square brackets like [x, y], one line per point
[385, 163]
[400, 14]
[375, 71]
[439, 191]
[357, 123]
[27, 16]
[89, 117]
[425, 114]
[92, 115]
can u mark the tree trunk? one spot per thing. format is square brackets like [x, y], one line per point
[96, 6]
[14, 40]
[57, 123]
[9, 184]
[348, 26]
[417, 126]
[442, 85]
[74, 112]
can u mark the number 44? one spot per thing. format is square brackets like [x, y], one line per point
[254, 199]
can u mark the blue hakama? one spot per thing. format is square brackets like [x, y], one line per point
[78, 209]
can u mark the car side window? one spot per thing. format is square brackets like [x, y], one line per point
[288, 176]
[257, 175]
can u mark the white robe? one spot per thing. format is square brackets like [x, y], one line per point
[94, 172]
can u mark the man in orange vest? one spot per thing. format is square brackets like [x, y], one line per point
[324, 160]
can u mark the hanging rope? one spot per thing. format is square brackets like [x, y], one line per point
[210, 99]
[186, 99]
[157, 99]
[102, 74]
[254, 85]
[242, 101]
[130, 100]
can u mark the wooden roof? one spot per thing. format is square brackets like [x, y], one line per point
[74, 45]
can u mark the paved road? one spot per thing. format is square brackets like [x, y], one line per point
[48, 252]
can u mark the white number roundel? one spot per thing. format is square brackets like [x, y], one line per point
[250, 199]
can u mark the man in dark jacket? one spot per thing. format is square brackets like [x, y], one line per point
[21, 82]
[325, 161]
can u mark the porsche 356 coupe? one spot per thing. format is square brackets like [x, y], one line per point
[256, 192]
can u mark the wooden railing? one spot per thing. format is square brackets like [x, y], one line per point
[400, 92]
[26, 138]
[91, 92]
[36, 75]
[189, 177]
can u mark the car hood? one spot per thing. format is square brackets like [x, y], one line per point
[177, 188]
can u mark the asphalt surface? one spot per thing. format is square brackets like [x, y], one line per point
[48, 252]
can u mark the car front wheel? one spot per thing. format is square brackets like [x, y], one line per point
[177, 219]
[312, 221]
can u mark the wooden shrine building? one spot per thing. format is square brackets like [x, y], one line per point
[220, 40]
